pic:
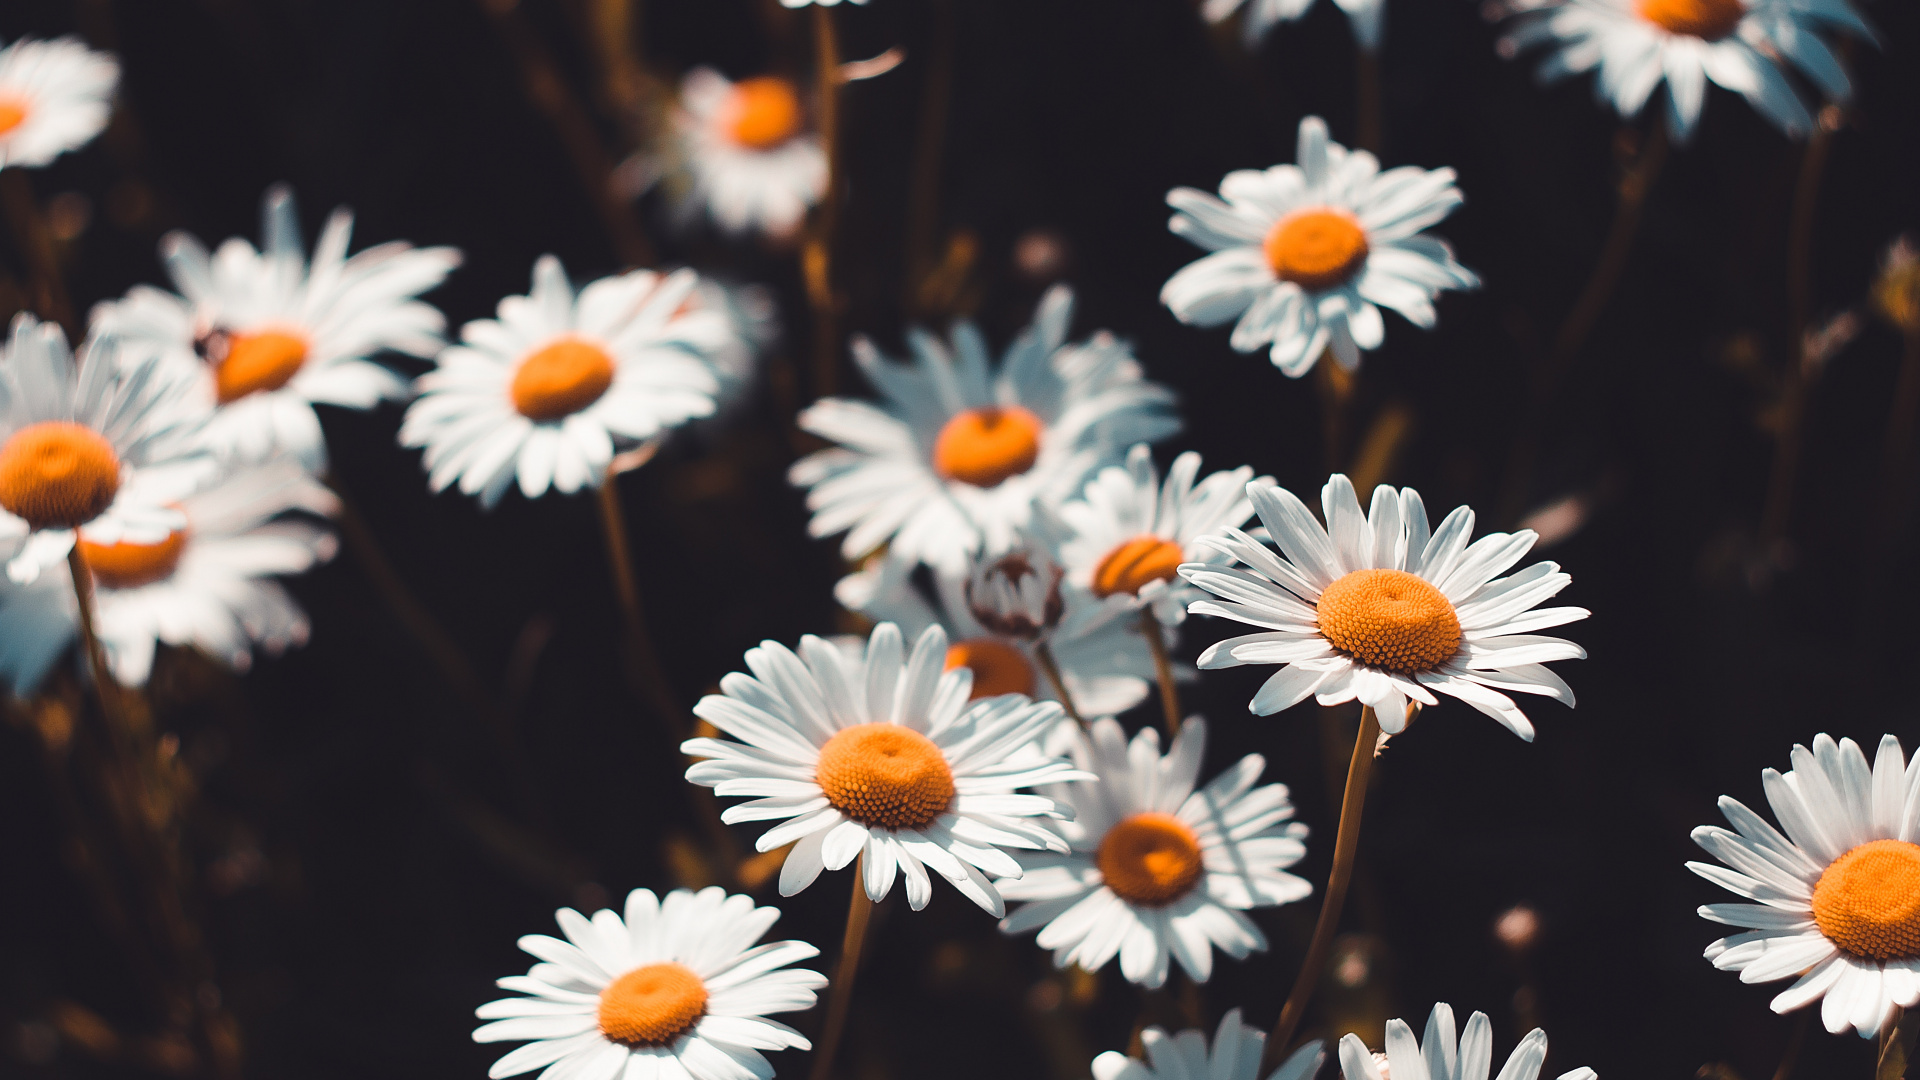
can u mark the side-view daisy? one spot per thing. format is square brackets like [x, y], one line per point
[883, 758]
[55, 96]
[677, 990]
[1235, 1055]
[1159, 866]
[748, 158]
[1303, 253]
[1440, 1056]
[1366, 16]
[1382, 609]
[1838, 892]
[950, 465]
[546, 391]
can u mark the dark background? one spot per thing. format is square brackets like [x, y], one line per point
[369, 846]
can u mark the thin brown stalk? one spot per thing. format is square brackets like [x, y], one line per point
[817, 255]
[1369, 125]
[1798, 1039]
[1043, 653]
[36, 243]
[840, 996]
[642, 660]
[1896, 1045]
[923, 205]
[616, 32]
[1162, 669]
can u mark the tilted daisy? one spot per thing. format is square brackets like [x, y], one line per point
[55, 96]
[677, 990]
[1303, 253]
[883, 758]
[952, 462]
[749, 160]
[268, 335]
[1440, 1056]
[547, 391]
[1381, 609]
[1837, 885]
[1158, 868]
[1235, 1055]
[1366, 16]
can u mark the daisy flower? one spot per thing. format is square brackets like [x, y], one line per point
[1235, 1055]
[1838, 893]
[1158, 868]
[1440, 1056]
[750, 161]
[88, 446]
[1382, 609]
[677, 990]
[1366, 16]
[883, 757]
[1303, 253]
[951, 464]
[546, 391]
[55, 96]
[267, 335]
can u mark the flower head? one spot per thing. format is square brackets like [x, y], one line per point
[1235, 1055]
[744, 152]
[1440, 1056]
[1367, 16]
[1017, 594]
[55, 96]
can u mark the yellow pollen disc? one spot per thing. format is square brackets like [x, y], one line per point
[1868, 901]
[561, 379]
[998, 668]
[885, 775]
[985, 446]
[1135, 564]
[1389, 619]
[1316, 249]
[12, 115]
[1150, 859]
[1710, 20]
[57, 475]
[762, 113]
[267, 360]
[129, 566]
[652, 1005]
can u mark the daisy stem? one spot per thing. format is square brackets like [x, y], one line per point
[923, 206]
[1791, 1056]
[859, 912]
[36, 243]
[1896, 1045]
[1368, 125]
[118, 726]
[1049, 667]
[1162, 669]
[1345, 844]
[643, 662]
[817, 255]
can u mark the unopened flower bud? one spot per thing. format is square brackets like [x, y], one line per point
[1016, 595]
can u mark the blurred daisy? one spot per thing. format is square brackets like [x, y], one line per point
[547, 391]
[1235, 1055]
[1839, 892]
[1261, 16]
[1379, 608]
[55, 96]
[675, 991]
[88, 447]
[1440, 1056]
[1303, 253]
[952, 463]
[822, 3]
[750, 161]
[880, 756]
[1157, 868]
[267, 335]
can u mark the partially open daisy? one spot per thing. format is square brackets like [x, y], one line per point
[548, 390]
[55, 96]
[750, 160]
[1159, 867]
[1235, 1055]
[951, 464]
[881, 757]
[1382, 609]
[1838, 894]
[677, 990]
[1441, 1056]
[1366, 17]
[1303, 253]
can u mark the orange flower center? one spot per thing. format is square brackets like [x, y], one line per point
[885, 775]
[762, 113]
[1868, 901]
[57, 475]
[1389, 619]
[1135, 564]
[13, 113]
[561, 379]
[267, 360]
[1150, 859]
[1316, 249]
[1707, 19]
[652, 1005]
[985, 446]
[128, 566]
[998, 668]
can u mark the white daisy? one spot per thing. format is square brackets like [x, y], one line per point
[1303, 253]
[1157, 868]
[55, 96]
[37, 623]
[1235, 1055]
[749, 159]
[1366, 16]
[548, 390]
[953, 461]
[1839, 892]
[822, 3]
[884, 758]
[1440, 1056]
[675, 991]
[266, 335]
[1379, 608]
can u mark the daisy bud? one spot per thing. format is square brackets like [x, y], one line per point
[1017, 595]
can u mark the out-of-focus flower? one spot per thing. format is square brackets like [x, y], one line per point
[1367, 16]
[822, 3]
[1235, 1055]
[881, 757]
[1017, 595]
[749, 160]
[1303, 253]
[55, 96]
[1896, 289]
[952, 463]
[1470, 1057]
[677, 990]
[1157, 868]
[547, 390]
[265, 335]
[1382, 609]
[1838, 894]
